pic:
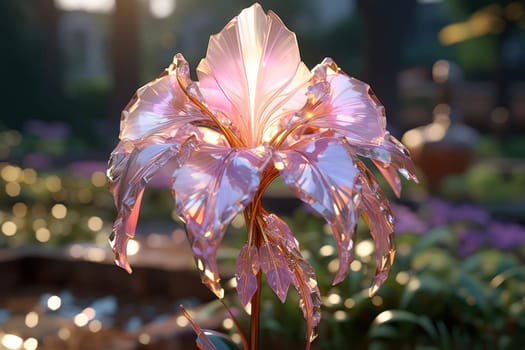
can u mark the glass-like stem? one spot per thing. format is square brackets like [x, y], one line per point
[255, 315]
[256, 238]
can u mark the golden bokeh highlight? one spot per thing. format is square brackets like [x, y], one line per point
[13, 189]
[59, 211]
[98, 179]
[95, 326]
[64, 333]
[39, 223]
[43, 235]
[95, 223]
[19, 209]
[9, 228]
[29, 176]
[144, 338]
[30, 344]
[11, 173]
[31, 319]
[53, 183]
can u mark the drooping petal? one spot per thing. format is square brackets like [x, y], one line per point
[247, 266]
[344, 104]
[210, 188]
[323, 174]
[390, 156]
[131, 167]
[161, 107]
[275, 266]
[375, 209]
[252, 68]
[302, 273]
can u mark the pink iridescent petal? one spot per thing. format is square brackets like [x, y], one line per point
[210, 188]
[131, 167]
[323, 174]
[247, 266]
[302, 273]
[252, 67]
[390, 157]
[351, 108]
[160, 107]
[375, 209]
[275, 266]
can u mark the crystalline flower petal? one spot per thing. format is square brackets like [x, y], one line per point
[210, 188]
[375, 210]
[247, 266]
[323, 174]
[131, 167]
[252, 68]
[160, 107]
[350, 108]
[390, 156]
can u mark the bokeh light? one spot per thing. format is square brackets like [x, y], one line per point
[95, 223]
[59, 211]
[11, 341]
[31, 319]
[54, 302]
[98, 179]
[30, 344]
[43, 235]
[9, 228]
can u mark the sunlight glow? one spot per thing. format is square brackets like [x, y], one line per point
[481, 22]
[101, 6]
[161, 8]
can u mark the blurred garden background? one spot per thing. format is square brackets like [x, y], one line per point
[451, 74]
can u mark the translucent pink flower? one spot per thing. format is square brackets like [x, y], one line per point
[256, 113]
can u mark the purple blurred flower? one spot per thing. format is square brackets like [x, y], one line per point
[471, 239]
[87, 168]
[48, 130]
[438, 212]
[407, 221]
[470, 213]
[505, 235]
[37, 161]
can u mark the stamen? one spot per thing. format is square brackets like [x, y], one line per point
[232, 139]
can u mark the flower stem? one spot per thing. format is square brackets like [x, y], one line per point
[255, 315]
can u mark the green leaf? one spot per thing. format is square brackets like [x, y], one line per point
[386, 318]
[431, 239]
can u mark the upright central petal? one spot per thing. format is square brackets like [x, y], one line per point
[252, 73]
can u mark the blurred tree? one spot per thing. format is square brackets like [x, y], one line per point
[124, 54]
[51, 56]
[19, 63]
[385, 26]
